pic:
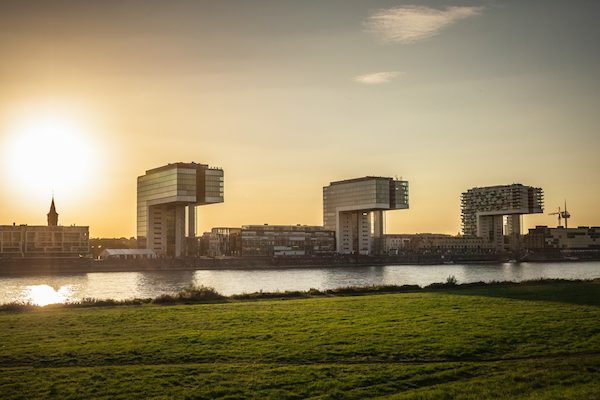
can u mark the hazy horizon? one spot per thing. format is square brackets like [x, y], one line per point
[288, 96]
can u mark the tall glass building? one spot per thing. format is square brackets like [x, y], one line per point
[354, 209]
[166, 195]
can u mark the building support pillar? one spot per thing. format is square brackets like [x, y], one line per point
[490, 227]
[514, 231]
[378, 231]
[191, 221]
[179, 229]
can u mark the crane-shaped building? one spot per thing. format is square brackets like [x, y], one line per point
[484, 208]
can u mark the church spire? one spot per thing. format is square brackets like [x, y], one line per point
[52, 215]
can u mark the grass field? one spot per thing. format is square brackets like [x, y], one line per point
[533, 341]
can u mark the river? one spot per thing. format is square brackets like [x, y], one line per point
[44, 289]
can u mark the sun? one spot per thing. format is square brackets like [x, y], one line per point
[42, 295]
[49, 150]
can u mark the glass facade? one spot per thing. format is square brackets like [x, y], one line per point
[363, 194]
[286, 240]
[162, 195]
[214, 192]
[353, 209]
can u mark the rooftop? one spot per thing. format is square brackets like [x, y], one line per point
[115, 252]
[512, 185]
[190, 165]
[364, 178]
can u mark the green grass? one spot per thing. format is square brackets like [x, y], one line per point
[534, 341]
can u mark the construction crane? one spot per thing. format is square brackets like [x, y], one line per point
[559, 216]
[563, 215]
[566, 215]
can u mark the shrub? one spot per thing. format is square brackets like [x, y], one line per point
[451, 280]
[18, 306]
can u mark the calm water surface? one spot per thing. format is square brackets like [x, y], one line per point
[124, 285]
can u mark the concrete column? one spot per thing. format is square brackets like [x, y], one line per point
[514, 231]
[490, 227]
[378, 231]
[179, 229]
[344, 233]
[191, 221]
[364, 241]
[149, 228]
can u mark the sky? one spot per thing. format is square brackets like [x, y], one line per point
[287, 96]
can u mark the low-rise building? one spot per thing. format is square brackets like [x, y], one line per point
[224, 242]
[394, 244]
[435, 243]
[24, 241]
[287, 240]
[126, 254]
[582, 238]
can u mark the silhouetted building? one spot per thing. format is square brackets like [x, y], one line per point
[44, 241]
[52, 214]
[165, 196]
[484, 208]
[354, 209]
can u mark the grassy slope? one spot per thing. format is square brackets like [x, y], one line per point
[534, 341]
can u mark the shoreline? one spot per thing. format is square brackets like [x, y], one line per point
[25, 267]
[208, 295]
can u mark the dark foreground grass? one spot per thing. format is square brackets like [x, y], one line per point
[522, 341]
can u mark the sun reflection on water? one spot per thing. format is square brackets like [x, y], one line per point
[43, 295]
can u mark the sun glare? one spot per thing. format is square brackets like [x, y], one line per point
[42, 295]
[49, 151]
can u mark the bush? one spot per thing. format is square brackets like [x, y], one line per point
[190, 294]
[17, 306]
[451, 280]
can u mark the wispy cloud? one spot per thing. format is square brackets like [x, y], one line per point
[377, 77]
[408, 24]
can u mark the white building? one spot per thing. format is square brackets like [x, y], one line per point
[126, 254]
[354, 209]
[165, 195]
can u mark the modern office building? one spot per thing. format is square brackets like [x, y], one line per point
[354, 209]
[287, 240]
[39, 241]
[165, 196]
[484, 209]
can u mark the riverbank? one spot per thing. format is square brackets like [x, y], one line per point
[203, 295]
[50, 266]
[529, 340]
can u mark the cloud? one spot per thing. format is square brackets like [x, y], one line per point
[377, 77]
[408, 24]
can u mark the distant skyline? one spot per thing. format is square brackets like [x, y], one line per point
[287, 96]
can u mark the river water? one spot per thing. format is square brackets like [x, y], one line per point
[46, 289]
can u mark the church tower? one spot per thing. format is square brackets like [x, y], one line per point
[52, 215]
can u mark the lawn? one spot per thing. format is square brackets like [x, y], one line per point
[533, 341]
